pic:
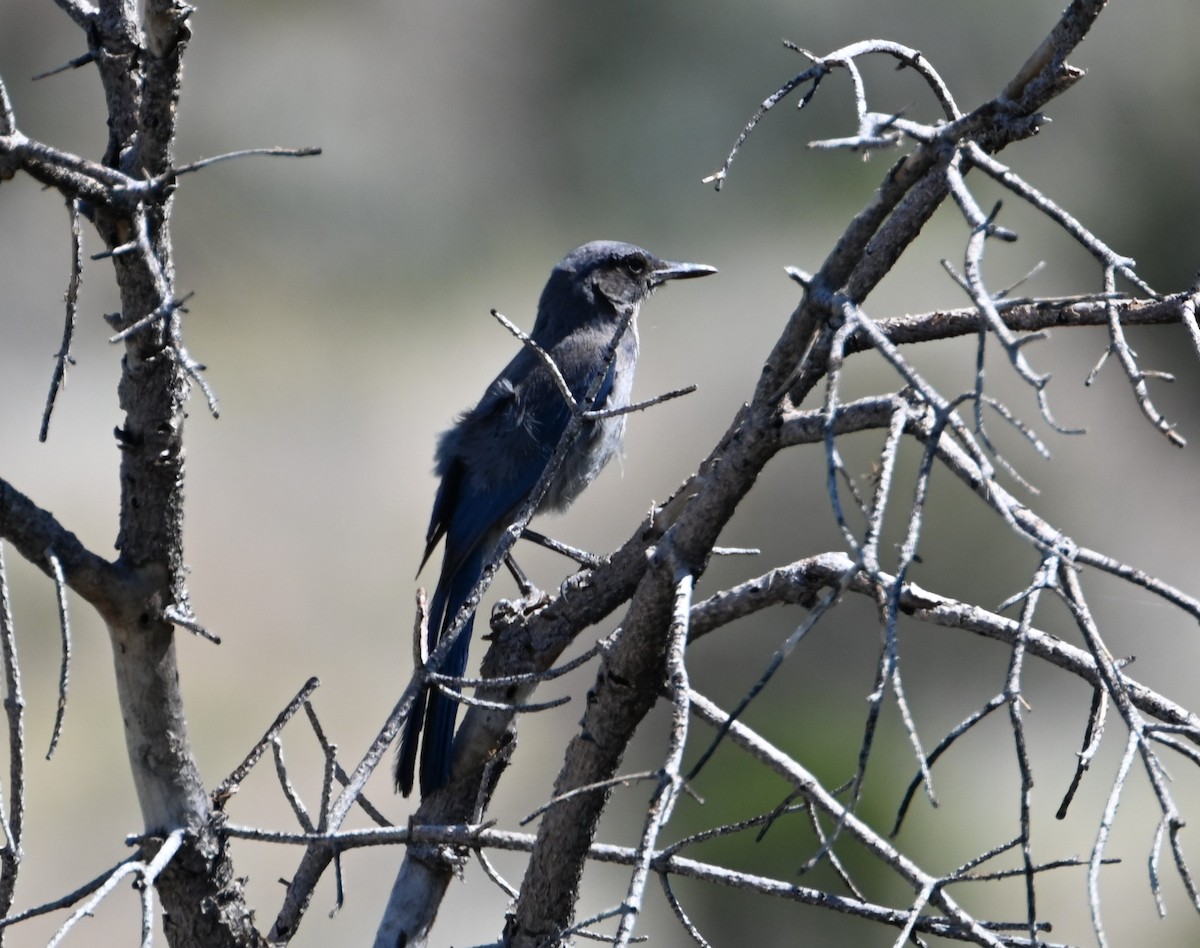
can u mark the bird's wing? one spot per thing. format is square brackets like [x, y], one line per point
[443, 504]
[489, 461]
[494, 456]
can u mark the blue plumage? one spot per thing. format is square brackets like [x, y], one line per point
[495, 453]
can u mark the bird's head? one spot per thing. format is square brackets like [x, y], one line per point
[605, 279]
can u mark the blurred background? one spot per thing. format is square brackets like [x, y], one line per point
[341, 304]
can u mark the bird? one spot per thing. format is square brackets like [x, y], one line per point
[493, 456]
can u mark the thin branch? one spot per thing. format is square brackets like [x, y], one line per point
[176, 617]
[71, 897]
[306, 151]
[12, 819]
[600, 786]
[1091, 744]
[289, 792]
[997, 701]
[64, 626]
[1105, 255]
[63, 357]
[339, 772]
[1106, 823]
[231, 784]
[148, 873]
[449, 686]
[164, 310]
[1136, 375]
[1131, 574]
[492, 873]
[1013, 692]
[543, 356]
[330, 773]
[82, 60]
[1189, 317]
[602, 413]
[682, 916]
[843, 58]
[662, 804]
[8, 121]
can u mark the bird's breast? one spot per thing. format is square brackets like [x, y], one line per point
[596, 445]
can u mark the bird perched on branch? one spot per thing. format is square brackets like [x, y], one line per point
[493, 457]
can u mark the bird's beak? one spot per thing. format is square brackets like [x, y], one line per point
[670, 270]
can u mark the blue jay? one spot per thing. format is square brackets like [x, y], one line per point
[494, 455]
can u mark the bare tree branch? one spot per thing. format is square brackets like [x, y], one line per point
[63, 357]
[12, 818]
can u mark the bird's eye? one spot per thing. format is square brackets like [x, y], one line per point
[635, 267]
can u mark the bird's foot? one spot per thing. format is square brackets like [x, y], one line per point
[528, 590]
[576, 582]
[507, 611]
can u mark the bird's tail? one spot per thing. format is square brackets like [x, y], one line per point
[433, 714]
